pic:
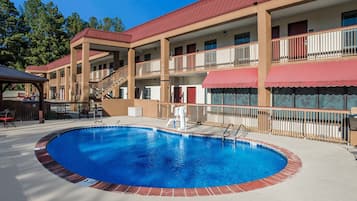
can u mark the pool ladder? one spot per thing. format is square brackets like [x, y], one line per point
[227, 132]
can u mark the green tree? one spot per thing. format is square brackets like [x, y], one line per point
[74, 24]
[107, 24]
[47, 38]
[93, 23]
[117, 25]
[13, 43]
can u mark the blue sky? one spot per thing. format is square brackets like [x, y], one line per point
[132, 12]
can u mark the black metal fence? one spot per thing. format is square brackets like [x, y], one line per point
[28, 110]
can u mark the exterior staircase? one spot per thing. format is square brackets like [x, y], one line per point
[104, 87]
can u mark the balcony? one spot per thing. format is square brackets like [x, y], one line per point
[328, 44]
[148, 68]
[233, 56]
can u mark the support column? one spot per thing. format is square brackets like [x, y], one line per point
[131, 74]
[41, 117]
[47, 86]
[85, 73]
[164, 76]
[58, 84]
[67, 80]
[265, 59]
[27, 89]
[73, 77]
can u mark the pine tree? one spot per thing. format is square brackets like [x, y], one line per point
[13, 43]
[48, 40]
[93, 23]
[107, 24]
[74, 24]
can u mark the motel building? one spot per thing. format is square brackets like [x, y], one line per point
[293, 54]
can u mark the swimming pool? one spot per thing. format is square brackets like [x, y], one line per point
[148, 157]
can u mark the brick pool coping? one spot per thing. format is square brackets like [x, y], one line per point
[293, 165]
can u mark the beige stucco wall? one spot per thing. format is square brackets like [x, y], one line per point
[116, 107]
[223, 39]
[150, 107]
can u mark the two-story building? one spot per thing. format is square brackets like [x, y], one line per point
[281, 53]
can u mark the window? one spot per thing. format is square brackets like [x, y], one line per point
[111, 67]
[349, 18]
[332, 98]
[147, 57]
[242, 38]
[351, 97]
[105, 71]
[253, 98]
[283, 97]
[242, 53]
[210, 45]
[306, 98]
[121, 93]
[53, 93]
[210, 56]
[62, 73]
[339, 98]
[216, 99]
[137, 93]
[147, 93]
[53, 75]
[229, 96]
[243, 97]
[121, 63]
[349, 35]
[216, 96]
[79, 68]
[99, 71]
[137, 59]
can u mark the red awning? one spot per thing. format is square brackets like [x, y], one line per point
[237, 78]
[317, 74]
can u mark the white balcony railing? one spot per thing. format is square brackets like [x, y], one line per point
[148, 67]
[240, 55]
[315, 46]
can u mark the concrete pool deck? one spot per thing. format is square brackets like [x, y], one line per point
[329, 171]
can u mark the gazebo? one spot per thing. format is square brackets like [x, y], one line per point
[10, 76]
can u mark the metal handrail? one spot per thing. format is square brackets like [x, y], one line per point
[237, 131]
[226, 131]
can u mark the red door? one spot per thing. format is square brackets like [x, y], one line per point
[191, 57]
[177, 95]
[275, 33]
[191, 95]
[297, 47]
[178, 58]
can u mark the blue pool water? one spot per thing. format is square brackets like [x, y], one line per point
[146, 157]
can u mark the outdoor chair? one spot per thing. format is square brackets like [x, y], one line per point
[8, 117]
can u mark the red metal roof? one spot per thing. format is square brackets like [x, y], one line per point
[318, 74]
[105, 35]
[196, 12]
[237, 78]
[66, 60]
